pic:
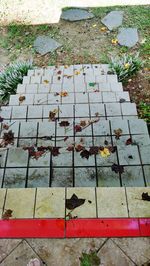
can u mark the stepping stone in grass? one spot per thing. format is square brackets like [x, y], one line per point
[113, 19]
[76, 14]
[45, 44]
[128, 37]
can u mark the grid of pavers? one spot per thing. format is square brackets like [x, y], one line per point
[92, 94]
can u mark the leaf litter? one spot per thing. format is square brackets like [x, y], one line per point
[74, 202]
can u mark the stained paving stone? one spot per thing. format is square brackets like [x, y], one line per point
[111, 254]
[15, 177]
[42, 161]
[19, 112]
[85, 177]
[132, 176]
[45, 44]
[147, 174]
[95, 97]
[31, 88]
[120, 123]
[88, 209]
[76, 14]
[5, 112]
[97, 110]
[17, 157]
[106, 161]
[121, 142]
[18, 199]
[38, 177]
[113, 19]
[48, 204]
[145, 154]
[28, 129]
[128, 155]
[129, 109]
[35, 112]
[101, 128]
[130, 246]
[62, 177]
[21, 255]
[141, 140]
[113, 109]
[64, 158]
[83, 161]
[3, 154]
[138, 207]
[128, 37]
[7, 246]
[101, 141]
[107, 177]
[138, 126]
[113, 206]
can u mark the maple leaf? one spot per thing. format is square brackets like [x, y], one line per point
[64, 124]
[79, 147]
[145, 196]
[55, 151]
[70, 148]
[1, 119]
[78, 128]
[118, 133]
[94, 150]
[59, 72]
[85, 154]
[129, 141]
[83, 123]
[5, 126]
[117, 168]
[74, 202]
[63, 94]
[105, 152]
[112, 149]
[7, 214]
[8, 137]
[22, 98]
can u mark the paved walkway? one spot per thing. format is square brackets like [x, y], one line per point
[52, 252]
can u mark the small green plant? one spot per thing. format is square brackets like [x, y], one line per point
[89, 259]
[11, 77]
[125, 66]
[144, 111]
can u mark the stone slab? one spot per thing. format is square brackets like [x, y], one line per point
[113, 19]
[128, 37]
[2, 199]
[76, 14]
[45, 44]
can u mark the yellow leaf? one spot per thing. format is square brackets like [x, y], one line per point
[104, 153]
[114, 41]
[45, 81]
[63, 94]
[103, 29]
[77, 72]
[127, 65]
[94, 25]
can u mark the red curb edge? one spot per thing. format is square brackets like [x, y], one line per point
[59, 228]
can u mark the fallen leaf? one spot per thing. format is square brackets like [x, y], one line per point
[106, 142]
[118, 133]
[130, 157]
[70, 148]
[112, 149]
[22, 98]
[117, 168]
[145, 196]
[64, 124]
[1, 119]
[104, 153]
[129, 141]
[103, 29]
[63, 94]
[74, 202]
[5, 126]
[55, 151]
[66, 138]
[7, 214]
[59, 78]
[92, 84]
[122, 100]
[83, 123]
[45, 81]
[94, 150]
[52, 115]
[114, 41]
[8, 137]
[79, 147]
[85, 154]
[78, 128]
[77, 72]
[59, 72]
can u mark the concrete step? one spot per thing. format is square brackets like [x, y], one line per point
[71, 98]
[104, 111]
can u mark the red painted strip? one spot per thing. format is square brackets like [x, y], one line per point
[102, 228]
[24, 228]
[144, 224]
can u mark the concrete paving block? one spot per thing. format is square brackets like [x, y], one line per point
[32, 88]
[113, 206]
[18, 199]
[2, 200]
[81, 110]
[38, 177]
[101, 78]
[65, 130]
[29, 99]
[107, 178]
[26, 79]
[95, 97]
[128, 109]
[132, 176]
[116, 86]
[53, 98]
[50, 108]
[31, 72]
[28, 129]
[106, 161]
[15, 177]
[129, 155]
[62, 178]
[14, 100]
[147, 174]
[85, 177]
[17, 157]
[70, 99]
[137, 207]
[100, 141]
[88, 209]
[97, 110]
[109, 97]
[122, 96]
[138, 126]
[5, 112]
[66, 111]
[64, 159]
[38, 72]
[145, 154]
[44, 88]
[111, 78]
[121, 142]
[35, 111]
[101, 128]
[120, 123]
[47, 79]
[82, 161]
[3, 155]
[40, 99]
[35, 80]
[19, 112]
[141, 140]
[21, 88]
[50, 203]
[113, 109]
[81, 97]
